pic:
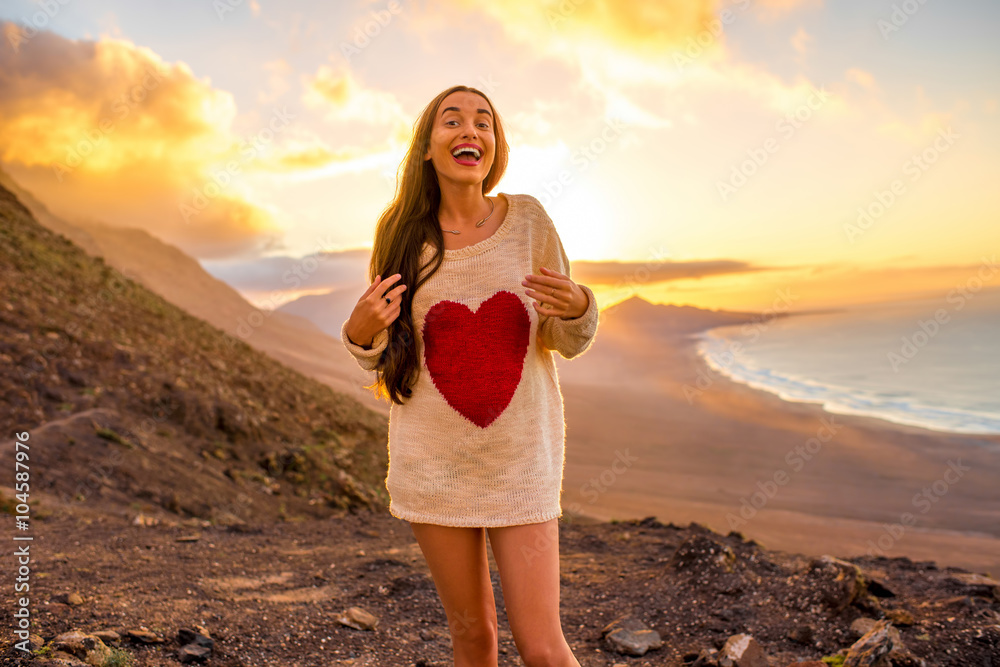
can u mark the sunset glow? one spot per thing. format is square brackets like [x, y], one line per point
[845, 149]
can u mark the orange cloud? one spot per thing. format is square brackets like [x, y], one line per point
[311, 157]
[633, 25]
[627, 49]
[800, 41]
[337, 91]
[639, 27]
[107, 130]
[343, 99]
[861, 77]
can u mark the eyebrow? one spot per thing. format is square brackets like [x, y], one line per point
[485, 111]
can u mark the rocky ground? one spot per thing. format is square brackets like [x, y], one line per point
[355, 590]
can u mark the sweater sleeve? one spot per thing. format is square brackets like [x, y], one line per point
[572, 337]
[366, 358]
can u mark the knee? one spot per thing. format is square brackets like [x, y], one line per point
[546, 654]
[479, 634]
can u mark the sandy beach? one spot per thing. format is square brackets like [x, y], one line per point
[691, 445]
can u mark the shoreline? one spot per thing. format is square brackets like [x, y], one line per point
[702, 457]
[823, 401]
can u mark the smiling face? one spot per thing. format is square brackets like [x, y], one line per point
[463, 120]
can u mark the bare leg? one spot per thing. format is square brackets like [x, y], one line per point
[528, 559]
[458, 563]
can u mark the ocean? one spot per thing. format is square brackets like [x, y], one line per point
[933, 363]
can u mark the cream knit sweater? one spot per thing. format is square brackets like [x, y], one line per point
[481, 440]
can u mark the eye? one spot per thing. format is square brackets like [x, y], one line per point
[482, 123]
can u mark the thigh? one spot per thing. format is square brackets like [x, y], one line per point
[459, 565]
[528, 560]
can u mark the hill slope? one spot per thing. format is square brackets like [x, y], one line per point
[166, 270]
[155, 406]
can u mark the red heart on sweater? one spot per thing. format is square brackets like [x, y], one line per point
[475, 358]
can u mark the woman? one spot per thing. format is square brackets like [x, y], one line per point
[476, 429]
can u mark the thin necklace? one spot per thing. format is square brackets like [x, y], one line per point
[478, 224]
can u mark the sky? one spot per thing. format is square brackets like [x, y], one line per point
[718, 154]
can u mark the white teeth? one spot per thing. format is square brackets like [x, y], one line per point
[467, 149]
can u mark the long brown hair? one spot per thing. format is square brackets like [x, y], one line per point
[403, 228]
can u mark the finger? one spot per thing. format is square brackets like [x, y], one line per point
[386, 284]
[554, 295]
[548, 301]
[535, 294]
[554, 273]
[371, 288]
[387, 292]
[394, 297]
[542, 283]
[544, 310]
[544, 297]
[396, 277]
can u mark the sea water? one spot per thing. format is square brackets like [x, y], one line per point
[932, 362]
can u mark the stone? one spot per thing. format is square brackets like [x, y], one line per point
[188, 636]
[701, 552]
[862, 626]
[742, 650]
[977, 583]
[193, 653]
[630, 636]
[872, 649]
[88, 648]
[839, 582]
[108, 636]
[900, 616]
[358, 618]
[60, 659]
[196, 644]
[72, 599]
[143, 636]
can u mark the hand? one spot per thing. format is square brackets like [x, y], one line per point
[372, 314]
[561, 296]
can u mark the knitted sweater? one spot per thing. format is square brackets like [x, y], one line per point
[481, 440]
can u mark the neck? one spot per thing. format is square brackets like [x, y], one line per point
[462, 206]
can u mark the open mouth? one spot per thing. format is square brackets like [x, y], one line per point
[467, 154]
